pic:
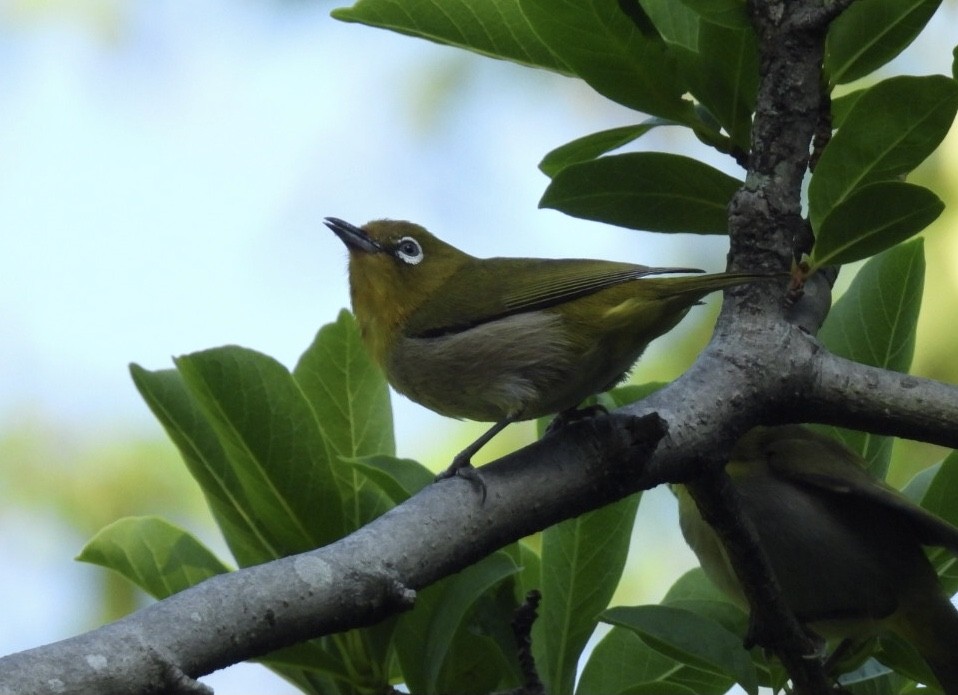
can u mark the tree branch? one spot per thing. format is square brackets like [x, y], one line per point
[849, 394]
[354, 582]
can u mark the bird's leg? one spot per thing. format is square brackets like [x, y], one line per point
[567, 417]
[461, 465]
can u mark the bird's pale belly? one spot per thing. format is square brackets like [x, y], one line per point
[521, 365]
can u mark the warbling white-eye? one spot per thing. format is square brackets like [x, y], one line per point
[845, 547]
[505, 339]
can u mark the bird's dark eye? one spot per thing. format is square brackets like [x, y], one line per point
[408, 250]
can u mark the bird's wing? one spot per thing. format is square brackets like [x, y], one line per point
[812, 460]
[516, 285]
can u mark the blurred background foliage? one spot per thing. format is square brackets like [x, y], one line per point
[164, 169]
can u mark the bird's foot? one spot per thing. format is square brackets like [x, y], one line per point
[462, 467]
[567, 417]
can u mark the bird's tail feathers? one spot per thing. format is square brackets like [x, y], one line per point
[703, 284]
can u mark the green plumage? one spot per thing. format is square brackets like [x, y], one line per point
[496, 338]
[505, 339]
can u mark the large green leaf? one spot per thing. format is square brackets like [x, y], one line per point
[732, 14]
[275, 454]
[874, 218]
[622, 663]
[942, 492]
[872, 32]
[398, 478]
[271, 436]
[695, 592]
[249, 536]
[939, 498]
[718, 62]
[349, 398]
[889, 131]
[496, 28]
[602, 45]
[843, 105]
[347, 392]
[723, 76]
[160, 558]
[874, 323]
[689, 638]
[874, 678]
[582, 562]
[902, 656]
[437, 630]
[645, 190]
[596, 144]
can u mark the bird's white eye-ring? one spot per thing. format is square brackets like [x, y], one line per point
[409, 251]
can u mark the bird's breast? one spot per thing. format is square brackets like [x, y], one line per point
[487, 372]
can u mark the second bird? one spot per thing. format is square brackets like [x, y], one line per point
[505, 339]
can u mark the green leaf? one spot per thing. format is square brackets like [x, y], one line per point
[695, 592]
[723, 76]
[939, 498]
[495, 28]
[903, 658]
[622, 663]
[719, 63]
[890, 130]
[645, 190]
[582, 562]
[425, 637]
[591, 146]
[630, 393]
[689, 638]
[530, 572]
[248, 535]
[349, 398]
[676, 22]
[399, 479]
[483, 654]
[874, 323]
[157, 556]
[942, 492]
[842, 106]
[348, 393]
[873, 218]
[870, 33]
[732, 14]
[660, 688]
[602, 45]
[274, 443]
[916, 488]
[873, 678]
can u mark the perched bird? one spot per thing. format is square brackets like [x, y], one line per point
[845, 547]
[505, 339]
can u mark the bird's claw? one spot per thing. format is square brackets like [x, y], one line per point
[567, 417]
[462, 467]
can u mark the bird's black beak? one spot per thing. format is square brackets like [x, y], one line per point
[353, 236]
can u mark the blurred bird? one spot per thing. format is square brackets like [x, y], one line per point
[845, 547]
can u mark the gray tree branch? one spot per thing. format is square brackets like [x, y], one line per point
[849, 394]
[357, 581]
